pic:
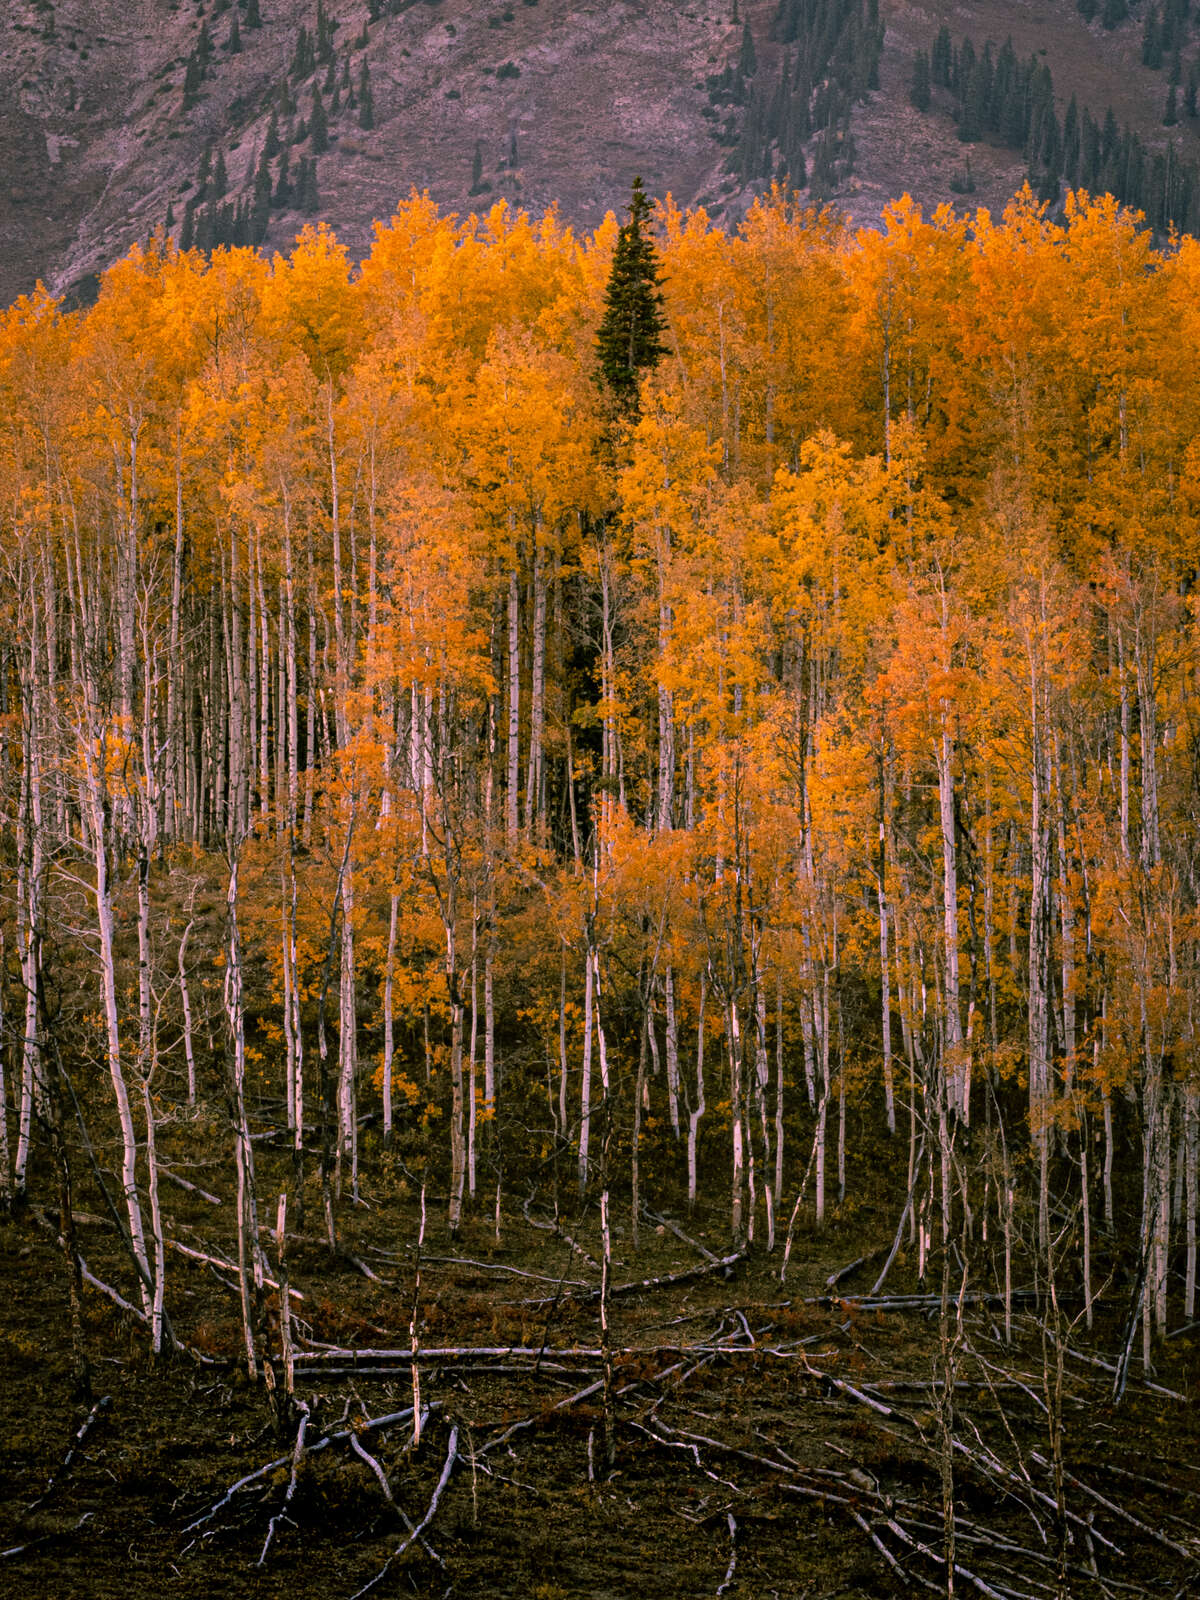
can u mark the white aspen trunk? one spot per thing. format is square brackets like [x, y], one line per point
[1125, 756]
[1039, 932]
[1086, 1207]
[512, 791]
[6, 1183]
[29, 893]
[176, 732]
[958, 1080]
[779, 1082]
[822, 1029]
[563, 1125]
[585, 1087]
[889, 1088]
[697, 1109]
[1108, 1160]
[389, 1025]
[458, 1143]
[1148, 716]
[249, 1257]
[156, 1224]
[471, 1054]
[264, 678]
[489, 1029]
[347, 1099]
[92, 798]
[292, 695]
[189, 1053]
[1162, 1211]
[737, 1224]
[1066, 932]
[285, 1300]
[762, 1079]
[672, 1044]
[537, 691]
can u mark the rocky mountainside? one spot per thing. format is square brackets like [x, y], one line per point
[236, 120]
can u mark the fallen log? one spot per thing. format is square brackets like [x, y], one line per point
[297, 1457]
[724, 1264]
[77, 1439]
[430, 1513]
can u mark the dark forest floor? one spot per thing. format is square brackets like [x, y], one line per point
[771, 1440]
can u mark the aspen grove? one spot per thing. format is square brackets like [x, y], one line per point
[406, 745]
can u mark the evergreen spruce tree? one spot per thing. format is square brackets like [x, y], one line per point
[220, 177]
[309, 198]
[1152, 44]
[283, 182]
[303, 60]
[1114, 13]
[271, 142]
[943, 52]
[323, 34]
[235, 35]
[1087, 9]
[1171, 114]
[629, 340]
[318, 126]
[366, 100]
[260, 206]
[918, 91]
[253, 15]
[193, 77]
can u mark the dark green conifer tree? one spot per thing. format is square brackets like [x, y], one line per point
[366, 100]
[193, 77]
[271, 142]
[942, 57]
[629, 340]
[918, 90]
[1152, 42]
[253, 15]
[318, 126]
[235, 35]
[309, 199]
[260, 206]
[283, 182]
[1114, 13]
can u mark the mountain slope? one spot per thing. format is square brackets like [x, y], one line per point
[108, 110]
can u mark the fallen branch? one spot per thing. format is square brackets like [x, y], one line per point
[77, 1438]
[192, 1188]
[371, 1425]
[297, 1457]
[723, 1264]
[430, 1513]
[732, 1567]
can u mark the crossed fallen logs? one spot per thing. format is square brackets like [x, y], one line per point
[1082, 1540]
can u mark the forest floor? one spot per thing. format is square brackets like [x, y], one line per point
[771, 1438]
